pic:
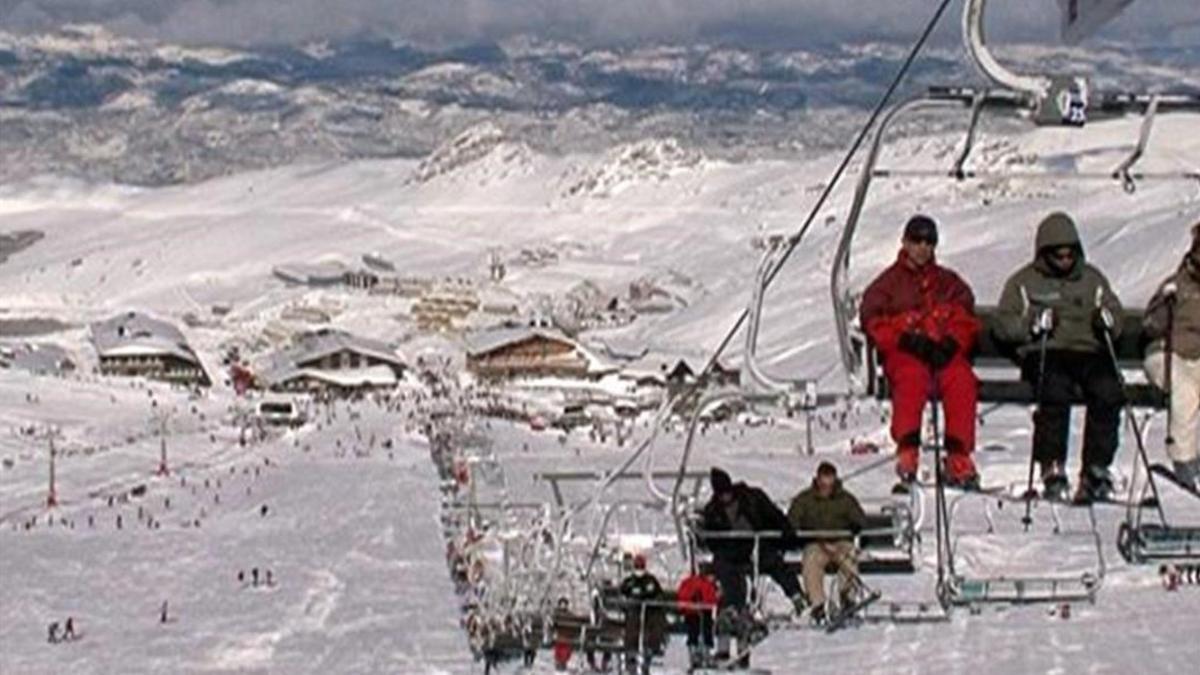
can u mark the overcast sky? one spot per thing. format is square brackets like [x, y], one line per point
[743, 22]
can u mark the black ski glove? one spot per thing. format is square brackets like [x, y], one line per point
[919, 346]
[944, 353]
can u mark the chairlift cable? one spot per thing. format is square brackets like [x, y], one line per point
[795, 239]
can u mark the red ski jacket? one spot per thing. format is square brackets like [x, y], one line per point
[932, 300]
[696, 589]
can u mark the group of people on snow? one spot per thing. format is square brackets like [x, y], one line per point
[1061, 318]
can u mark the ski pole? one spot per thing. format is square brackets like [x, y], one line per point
[941, 516]
[843, 565]
[1128, 409]
[1169, 291]
[1027, 519]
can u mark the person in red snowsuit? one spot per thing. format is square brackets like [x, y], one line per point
[698, 598]
[921, 318]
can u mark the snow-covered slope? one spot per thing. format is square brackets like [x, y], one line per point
[353, 538]
[181, 249]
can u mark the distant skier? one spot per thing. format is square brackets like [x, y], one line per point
[921, 317]
[739, 508]
[162, 613]
[1175, 309]
[69, 629]
[1063, 302]
[826, 505]
[52, 633]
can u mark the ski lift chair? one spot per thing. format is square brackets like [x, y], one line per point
[1045, 100]
[959, 588]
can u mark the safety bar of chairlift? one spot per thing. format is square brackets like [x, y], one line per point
[554, 478]
[702, 405]
[987, 510]
[643, 607]
[1143, 543]
[930, 100]
[818, 535]
[574, 509]
[965, 590]
[790, 390]
[602, 534]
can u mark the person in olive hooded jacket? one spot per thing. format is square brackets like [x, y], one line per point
[1062, 302]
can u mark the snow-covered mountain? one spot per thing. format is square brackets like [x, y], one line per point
[158, 578]
[85, 102]
[652, 208]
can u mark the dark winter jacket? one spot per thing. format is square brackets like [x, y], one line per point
[839, 511]
[1185, 338]
[1074, 297]
[932, 300]
[641, 587]
[752, 510]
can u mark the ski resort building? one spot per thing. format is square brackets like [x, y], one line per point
[332, 361]
[137, 345]
[676, 371]
[530, 352]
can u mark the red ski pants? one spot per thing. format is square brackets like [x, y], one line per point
[912, 386]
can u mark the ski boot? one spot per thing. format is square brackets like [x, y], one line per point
[904, 485]
[1095, 485]
[1055, 487]
[1188, 474]
[818, 616]
[799, 603]
[969, 483]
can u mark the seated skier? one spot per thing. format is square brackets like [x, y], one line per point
[1172, 323]
[645, 618]
[738, 507]
[827, 506]
[921, 318]
[1058, 310]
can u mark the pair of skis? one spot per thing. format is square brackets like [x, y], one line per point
[1004, 493]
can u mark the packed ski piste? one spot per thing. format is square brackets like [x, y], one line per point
[982, 456]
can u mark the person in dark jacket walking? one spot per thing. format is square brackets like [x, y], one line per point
[738, 507]
[1063, 302]
[827, 507]
[921, 318]
[1175, 309]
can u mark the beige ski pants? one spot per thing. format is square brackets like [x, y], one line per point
[1185, 401]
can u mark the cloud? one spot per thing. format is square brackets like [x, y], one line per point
[743, 22]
